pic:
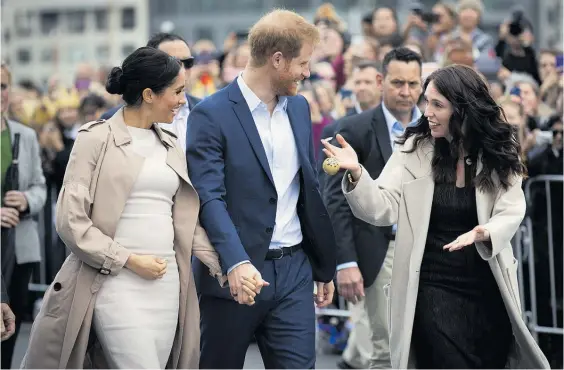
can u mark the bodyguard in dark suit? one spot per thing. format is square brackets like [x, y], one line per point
[177, 47]
[251, 159]
[364, 251]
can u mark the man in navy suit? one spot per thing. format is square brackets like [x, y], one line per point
[250, 157]
[177, 47]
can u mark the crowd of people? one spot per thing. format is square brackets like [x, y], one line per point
[391, 88]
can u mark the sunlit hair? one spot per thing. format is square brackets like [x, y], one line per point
[477, 125]
[283, 31]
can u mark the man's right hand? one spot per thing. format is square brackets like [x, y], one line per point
[236, 280]
[350, 284]
[8, 322]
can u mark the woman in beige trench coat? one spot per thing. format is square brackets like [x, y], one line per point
[454, 300]
[113, 196]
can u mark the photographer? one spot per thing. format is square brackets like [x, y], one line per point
[514, 46]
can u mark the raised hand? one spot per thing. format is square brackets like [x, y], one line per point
[345, 155]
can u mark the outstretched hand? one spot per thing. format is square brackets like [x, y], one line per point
[477, 234]
[345, 155]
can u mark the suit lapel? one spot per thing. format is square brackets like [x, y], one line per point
[245, 117]
[299, 137]
[382, 135]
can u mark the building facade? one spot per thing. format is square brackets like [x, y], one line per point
[41, 38]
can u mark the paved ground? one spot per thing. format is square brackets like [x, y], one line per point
[253, 360]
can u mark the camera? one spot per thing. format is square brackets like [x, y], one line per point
[427, 17]
[518, 23]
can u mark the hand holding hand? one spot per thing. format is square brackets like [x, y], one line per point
[240, 277]
[324, 294]
[477, 234]
[148, 267]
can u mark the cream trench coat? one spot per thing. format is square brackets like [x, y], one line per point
[403, 194]
[99, 177]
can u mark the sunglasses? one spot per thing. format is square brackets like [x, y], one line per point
[188, 62]
[4, 86]
[557, 132]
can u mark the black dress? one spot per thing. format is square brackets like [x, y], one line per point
[460, 319]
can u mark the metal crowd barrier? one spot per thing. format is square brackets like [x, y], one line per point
[525, 253]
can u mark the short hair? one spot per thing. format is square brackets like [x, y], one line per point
[145, 68]
[158, 38]
[92, 100]
[283, 31]
[506, 100]
[400, 54]
[363, 64]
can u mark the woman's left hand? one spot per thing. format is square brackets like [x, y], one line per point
[477, 234]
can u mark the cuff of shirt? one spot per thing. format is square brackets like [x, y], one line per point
[346, 265]
[237, 264]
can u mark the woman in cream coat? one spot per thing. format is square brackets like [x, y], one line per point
[125, 297]
[453, 298]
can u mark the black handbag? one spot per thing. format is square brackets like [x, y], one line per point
[11, 182]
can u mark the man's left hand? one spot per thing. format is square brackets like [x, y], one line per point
[8, 322]
[324, 294]
[16, 199]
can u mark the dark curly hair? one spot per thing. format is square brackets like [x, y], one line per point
[477, 125]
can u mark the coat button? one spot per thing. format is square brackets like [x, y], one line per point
[57, 287]
[269, 230]
[272, 200]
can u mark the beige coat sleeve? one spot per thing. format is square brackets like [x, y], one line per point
[73, 221]
[377, 201]
[205, 252]
[507, 214]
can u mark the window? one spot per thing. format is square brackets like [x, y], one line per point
[101, 17]
[127, 49]
[76, 21]
[24, 56]
[102, 53]
[128, 18]
[23, 23]
[48, 55]
[48, 22]
[76, 54]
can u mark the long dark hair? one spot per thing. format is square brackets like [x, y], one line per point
[477, 125]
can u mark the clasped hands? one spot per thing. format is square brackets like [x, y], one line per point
[245, 282]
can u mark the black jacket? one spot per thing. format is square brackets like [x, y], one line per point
[358, 241]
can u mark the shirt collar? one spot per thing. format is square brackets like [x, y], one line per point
[253, 100]
[391, 120]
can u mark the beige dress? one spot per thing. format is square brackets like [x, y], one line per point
[136, 319]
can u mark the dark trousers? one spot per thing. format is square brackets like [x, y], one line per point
[18, 292]
[282, 321]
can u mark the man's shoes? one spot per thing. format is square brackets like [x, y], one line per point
[344, 365]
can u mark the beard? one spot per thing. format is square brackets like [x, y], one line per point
[286, 85]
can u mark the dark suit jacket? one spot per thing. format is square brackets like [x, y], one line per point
[229, 169]
[192, 101]
[3, 290]
[358, 241]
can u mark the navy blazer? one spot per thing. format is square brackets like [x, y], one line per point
[192, 101]
[228, 167]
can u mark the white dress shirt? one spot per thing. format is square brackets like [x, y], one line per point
[395, 130]
[179, 126]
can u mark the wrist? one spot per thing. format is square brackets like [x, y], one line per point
[131, 261]
[357, 172]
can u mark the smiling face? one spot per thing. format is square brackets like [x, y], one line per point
[291, 72]
[165, 105]
[438, 112]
